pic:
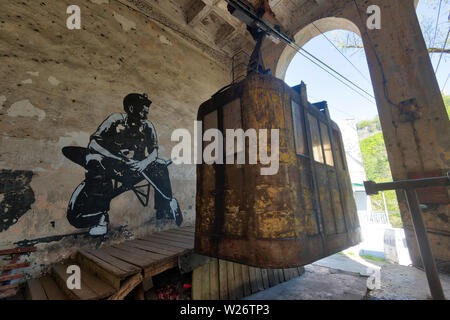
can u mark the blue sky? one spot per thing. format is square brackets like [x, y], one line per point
[342, 101]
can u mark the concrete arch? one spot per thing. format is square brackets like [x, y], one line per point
[309, 32]
[403, 79]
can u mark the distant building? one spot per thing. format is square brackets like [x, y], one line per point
[373, 224]
[355, 167]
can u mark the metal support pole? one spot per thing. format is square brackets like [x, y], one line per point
[424, 245]
[426, 254]
[386, 212]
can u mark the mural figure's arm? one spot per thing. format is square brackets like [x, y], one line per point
[100, 139]
[153, 145]
[140, 166]
[95, 146]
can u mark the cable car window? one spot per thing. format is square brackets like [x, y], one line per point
[232, 115]
[326, 144]
[299, 128]
[338, 150]
[232, 120]
[209, 122]
[315, 139]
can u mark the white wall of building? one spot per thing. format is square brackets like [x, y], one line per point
[372, 225]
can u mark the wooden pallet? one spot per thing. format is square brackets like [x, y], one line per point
[114, 271]
[151, 255]
[226, 280]
[108, 268]
[44, 288]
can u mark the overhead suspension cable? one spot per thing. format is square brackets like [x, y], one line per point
[269, 29]
[333, 107]
[442, 52]
[436, 28]
[300, 49]
[443, 87]
[331, 42]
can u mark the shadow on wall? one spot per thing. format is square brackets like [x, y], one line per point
[16, 196]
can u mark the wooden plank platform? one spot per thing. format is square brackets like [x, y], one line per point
[51, 289]
[226, 280]
[54, 286]
[44, 288]
[148, 255]
[112, 271]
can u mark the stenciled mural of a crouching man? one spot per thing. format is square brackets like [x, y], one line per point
[122, 155]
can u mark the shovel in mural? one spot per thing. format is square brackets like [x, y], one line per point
[87, 205]
[174, 207]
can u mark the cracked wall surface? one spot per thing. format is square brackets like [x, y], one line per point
[58, 85]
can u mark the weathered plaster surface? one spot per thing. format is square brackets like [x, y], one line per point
[2, 101]
[24, 108]
[126, 24]
[78, 78]
[53, 81]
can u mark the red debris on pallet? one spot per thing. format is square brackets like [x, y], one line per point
[169, 292]
[17, 250]
[6, 289]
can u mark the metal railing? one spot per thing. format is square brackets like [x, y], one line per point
[409, 188]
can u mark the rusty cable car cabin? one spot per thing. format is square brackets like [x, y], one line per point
[301, 214]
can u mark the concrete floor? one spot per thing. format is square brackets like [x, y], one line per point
[343, 277]
[406, 283]
[317, 283]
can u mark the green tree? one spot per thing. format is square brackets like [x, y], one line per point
[369, 126]
[447, 103]
[433, 38]
[375, 158]
[377, 169]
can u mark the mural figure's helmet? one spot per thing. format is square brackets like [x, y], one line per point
[135, 100]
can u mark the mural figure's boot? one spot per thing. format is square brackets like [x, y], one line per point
[100, 229]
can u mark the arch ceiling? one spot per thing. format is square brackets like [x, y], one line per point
[309, 32]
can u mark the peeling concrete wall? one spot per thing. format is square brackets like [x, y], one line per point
[58, 85]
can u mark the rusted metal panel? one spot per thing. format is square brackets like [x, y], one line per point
[431, 195]
[325, 201]
[336, 201]
[272, 221]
